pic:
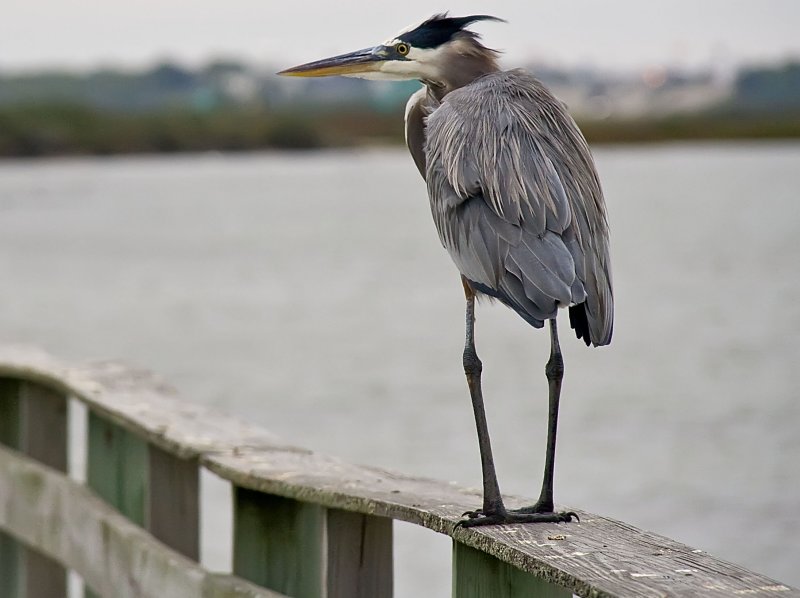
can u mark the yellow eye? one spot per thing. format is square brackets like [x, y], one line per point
[402, 49]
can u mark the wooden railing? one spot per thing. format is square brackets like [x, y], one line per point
[305, 525]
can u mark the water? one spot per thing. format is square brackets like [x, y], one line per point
[309, 293]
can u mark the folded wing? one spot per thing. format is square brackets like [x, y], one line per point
[517, 203]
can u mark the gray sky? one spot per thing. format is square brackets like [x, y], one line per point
[611, 34]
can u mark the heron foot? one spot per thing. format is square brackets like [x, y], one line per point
[479, 517]
[541, 507]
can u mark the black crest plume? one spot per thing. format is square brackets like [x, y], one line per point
[440, 29]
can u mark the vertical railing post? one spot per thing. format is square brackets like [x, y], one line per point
[307, 551]
[173, 509]
[359, 555]
[33, 420]
[152, 488]
[278, 543]
[11, 557]
[477, 574]
[44, 439]
[117, 470]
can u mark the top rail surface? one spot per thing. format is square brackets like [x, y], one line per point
[597, 557]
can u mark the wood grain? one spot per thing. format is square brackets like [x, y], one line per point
[138, 401]
[44, 438]
[359, 555]
[11, 552]
[596, 557]
[278, 543]
[33, 420]
[476, 575]
[68, 523]
[174, 502]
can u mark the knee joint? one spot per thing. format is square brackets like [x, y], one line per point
[554, 370]
[472, 365]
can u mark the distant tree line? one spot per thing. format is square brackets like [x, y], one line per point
[774, 88]
[227, 106]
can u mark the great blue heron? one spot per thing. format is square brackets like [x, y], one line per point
[516, 202]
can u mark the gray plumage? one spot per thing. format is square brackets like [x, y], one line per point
[515, 197]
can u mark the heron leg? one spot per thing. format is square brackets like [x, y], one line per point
[492, 500]
[554, 370]
[494, 511]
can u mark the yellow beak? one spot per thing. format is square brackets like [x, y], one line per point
[360, 61]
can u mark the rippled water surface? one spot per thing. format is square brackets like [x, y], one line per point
[309, 293]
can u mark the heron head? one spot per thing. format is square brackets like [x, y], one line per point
[434, 52]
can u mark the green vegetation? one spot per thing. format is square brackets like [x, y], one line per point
[56, 129]
[229, 106]
[65, 129]
[706, 126]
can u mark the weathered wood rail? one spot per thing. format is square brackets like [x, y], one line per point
[305, 525]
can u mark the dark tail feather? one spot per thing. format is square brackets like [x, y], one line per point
[579, 322]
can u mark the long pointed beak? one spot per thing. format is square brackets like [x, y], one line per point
[360, 61]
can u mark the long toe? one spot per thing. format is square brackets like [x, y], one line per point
[478, 519]
[543, 510]
[540, 507]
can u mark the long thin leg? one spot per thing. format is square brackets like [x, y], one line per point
[554, 370]
[492, 501]
[493, 511]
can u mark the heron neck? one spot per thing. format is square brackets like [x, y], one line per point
[461, 62]
[461, 70]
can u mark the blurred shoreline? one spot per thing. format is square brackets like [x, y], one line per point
[230, 106]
